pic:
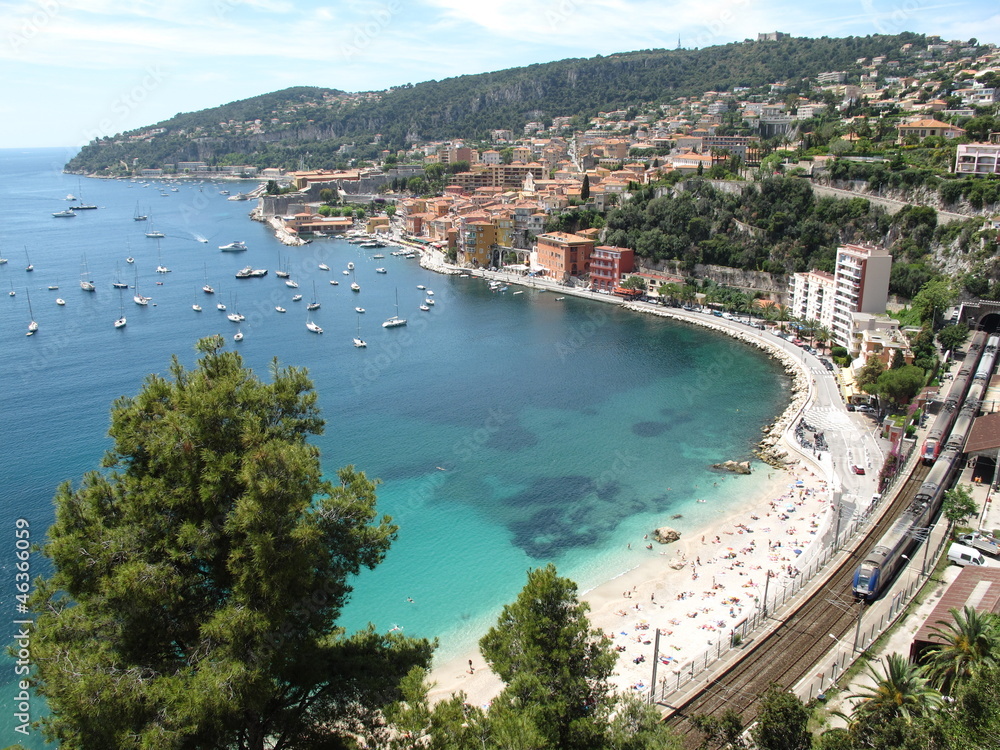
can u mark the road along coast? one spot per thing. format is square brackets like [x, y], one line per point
[698, 591]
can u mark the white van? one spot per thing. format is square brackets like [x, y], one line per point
[962, 555]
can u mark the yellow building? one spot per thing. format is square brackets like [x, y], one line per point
[478, 240]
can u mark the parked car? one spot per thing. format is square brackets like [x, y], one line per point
[858, 469]
[865, 409]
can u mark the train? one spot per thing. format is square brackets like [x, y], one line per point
[934, 441]
[879, 567]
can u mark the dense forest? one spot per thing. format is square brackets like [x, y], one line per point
[317, 121]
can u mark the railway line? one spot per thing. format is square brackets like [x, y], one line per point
[786, 653]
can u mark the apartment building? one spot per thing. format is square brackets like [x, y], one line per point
[977, 158]
[861, 281]
[859, 284]
[812, 296]
[563, 255]
[608, 264]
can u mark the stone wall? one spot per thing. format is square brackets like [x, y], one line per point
[775, 286]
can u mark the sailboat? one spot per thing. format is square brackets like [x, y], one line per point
[282, 272]
[207, 289]
[358, 341]
[86, 283]
[154, 233]
[81, 205]
[160, 268]
[118, 283]
[395, 320]
[235, 315]
[354, 283]
[32, 326]
[313, 327]
[314, 305]
[138, 298]
[29, 268]
[120, 323]
[138, 216]
[238, 336]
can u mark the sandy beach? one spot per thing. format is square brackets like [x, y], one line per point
[695, 591]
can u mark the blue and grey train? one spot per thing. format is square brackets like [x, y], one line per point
[881, 564]
[941, 428]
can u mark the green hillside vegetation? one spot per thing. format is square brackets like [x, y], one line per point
[317, 121]
[779, 226]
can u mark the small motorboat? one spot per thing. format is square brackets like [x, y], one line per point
[296, 298]
[359, 309]
[238, 336]
[280, 309]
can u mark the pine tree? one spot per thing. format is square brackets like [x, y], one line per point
[555, 667]
[199, 575]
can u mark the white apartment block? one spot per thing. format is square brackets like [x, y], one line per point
[812, 296]
[861, 278]
[860, 283]
[977, 158]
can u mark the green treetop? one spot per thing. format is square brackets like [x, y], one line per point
[199, 576]
[555, 667]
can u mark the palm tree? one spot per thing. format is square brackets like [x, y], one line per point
[822, 334]
[904, 691]
[971, 642]
[783, 316]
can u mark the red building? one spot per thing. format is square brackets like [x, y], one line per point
[608, 264]
[563, 255]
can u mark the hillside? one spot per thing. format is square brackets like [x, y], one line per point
[319, 121]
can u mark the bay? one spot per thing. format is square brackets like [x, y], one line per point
[508, 430]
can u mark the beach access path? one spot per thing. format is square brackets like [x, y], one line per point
[697, 590]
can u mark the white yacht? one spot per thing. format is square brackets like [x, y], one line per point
[395, 320]
[233, 247]
[313, 327]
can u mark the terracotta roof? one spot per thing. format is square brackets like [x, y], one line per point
[975, 586]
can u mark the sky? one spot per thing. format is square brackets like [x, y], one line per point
[75, 71]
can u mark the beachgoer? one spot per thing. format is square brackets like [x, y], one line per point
[472, 669]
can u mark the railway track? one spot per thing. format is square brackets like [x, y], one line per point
[785, 654]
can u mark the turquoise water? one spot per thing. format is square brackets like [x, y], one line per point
[508, 430]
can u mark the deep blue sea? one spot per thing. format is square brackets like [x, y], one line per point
[564, 430]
